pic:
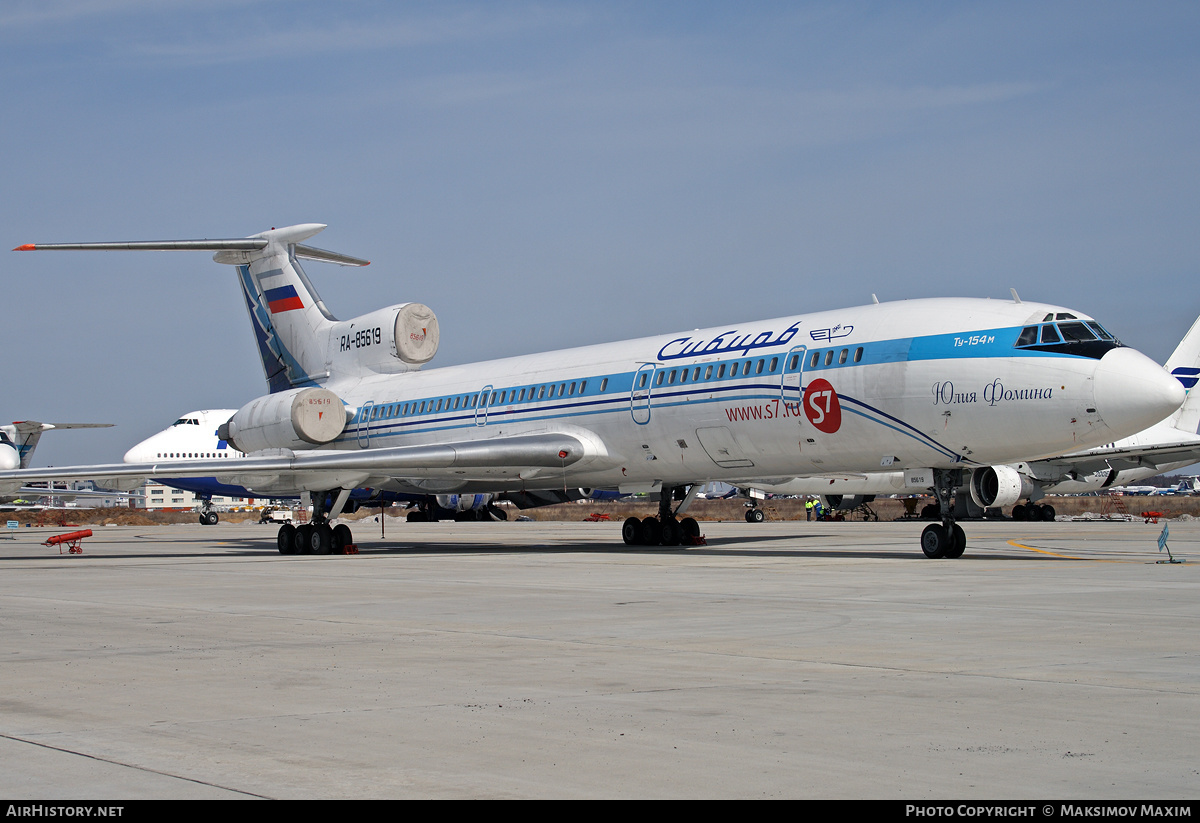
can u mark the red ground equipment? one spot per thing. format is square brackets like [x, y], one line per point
[70, 539]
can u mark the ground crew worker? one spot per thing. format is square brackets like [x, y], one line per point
[808, 509]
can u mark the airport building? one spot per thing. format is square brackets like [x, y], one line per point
[157, 497]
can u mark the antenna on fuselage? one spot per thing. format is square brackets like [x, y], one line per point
[1016, 297]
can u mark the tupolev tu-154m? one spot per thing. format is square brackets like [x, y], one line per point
[847, 390]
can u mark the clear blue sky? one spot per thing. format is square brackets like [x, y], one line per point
[553, 174]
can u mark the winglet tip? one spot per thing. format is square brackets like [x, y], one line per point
[26, 247]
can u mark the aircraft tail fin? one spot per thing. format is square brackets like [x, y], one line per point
[291, 323]
[1184, 365]
[25, 435]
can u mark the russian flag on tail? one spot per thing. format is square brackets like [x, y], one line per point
[283, 299]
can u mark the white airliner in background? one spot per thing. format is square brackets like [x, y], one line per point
[1167, 445]
[838, 391]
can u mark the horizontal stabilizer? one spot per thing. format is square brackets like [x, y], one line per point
[232, 244]
[310, 253]
[257, 242]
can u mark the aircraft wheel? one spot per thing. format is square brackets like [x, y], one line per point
[670, 532]
[1020, 513]
[1047, 513]
[320, 539]
[631, 531]
[958, 542]
[934, 541]
[690, 527]
[209, 518]
[651, 531]
[755, 516]
[303, 539]
[342, 538]
[286, 539]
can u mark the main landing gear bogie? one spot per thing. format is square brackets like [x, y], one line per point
[664, 530]
[655, 532]
[318, 537]
[1033, 511]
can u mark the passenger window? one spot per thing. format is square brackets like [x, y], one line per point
[582, 386]
[842, 357]
[439, 408]
[720, 371]
[641, 382]
[746, 368]
[758, 367]
[671, 377]
[858, 355]
[829, 357]
[708, 373]
[659, 378]
[812, 364]
[683, 376]
[696, 374]
[603, 385]
[521, 399]
[774, 363]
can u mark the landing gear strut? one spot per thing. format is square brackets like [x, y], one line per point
[665, 529]
[208, 515]
[947, 539]
[318, 537]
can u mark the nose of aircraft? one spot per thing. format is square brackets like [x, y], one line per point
[9, 459]
[1132, 392]
[141, 453]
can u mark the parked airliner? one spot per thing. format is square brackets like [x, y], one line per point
[846, 390]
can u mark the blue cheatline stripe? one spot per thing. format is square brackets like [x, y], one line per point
[465, 420]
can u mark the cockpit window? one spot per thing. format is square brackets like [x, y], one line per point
[1075, 331]
[4, 438]
[1084, 338]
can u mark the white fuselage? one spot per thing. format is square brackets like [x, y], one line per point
[923, 383]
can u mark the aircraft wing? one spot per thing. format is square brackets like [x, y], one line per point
[1126, 457]
[523, 456]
